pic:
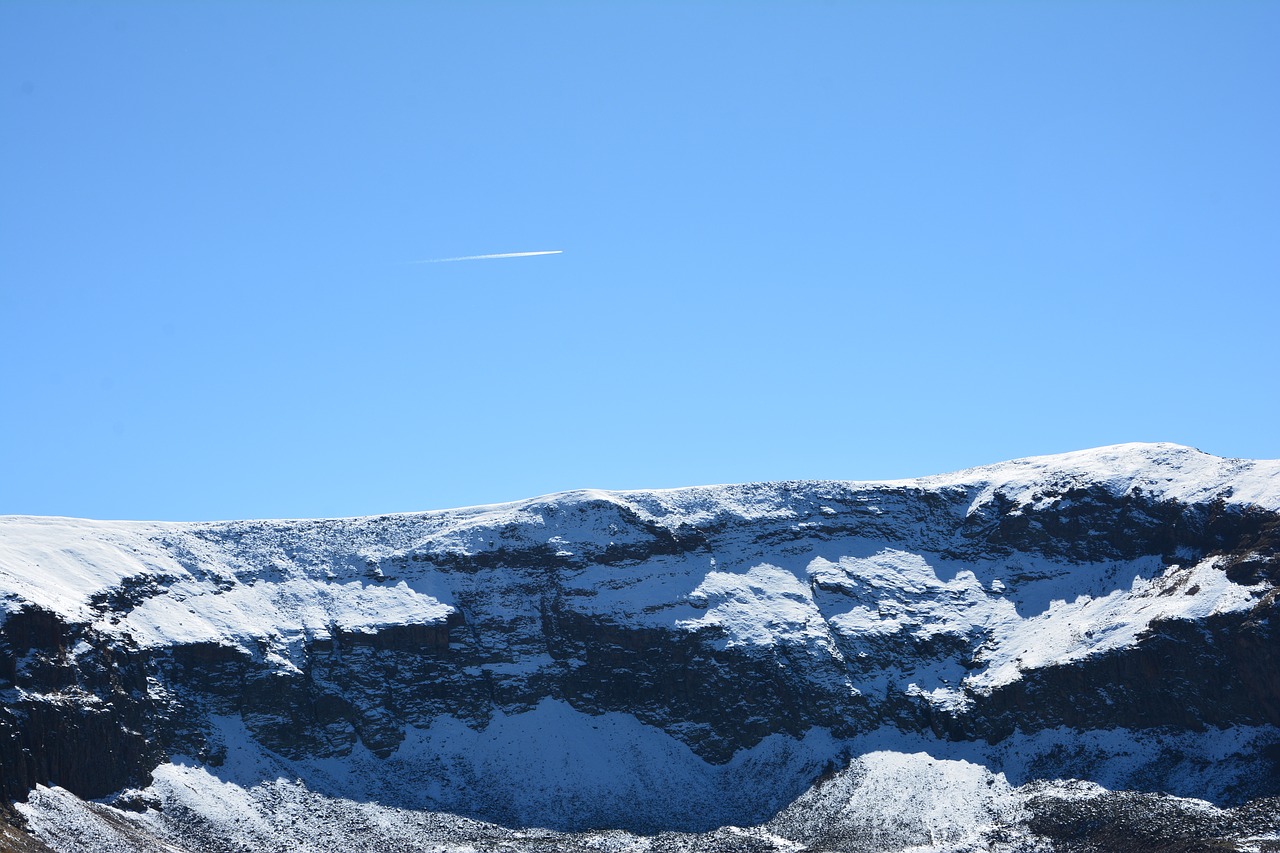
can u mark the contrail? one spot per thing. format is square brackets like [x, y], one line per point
[487, 257]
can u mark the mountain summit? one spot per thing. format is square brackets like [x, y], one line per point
[1039, 654]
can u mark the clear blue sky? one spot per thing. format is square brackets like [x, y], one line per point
[800, 240]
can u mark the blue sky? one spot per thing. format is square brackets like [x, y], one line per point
[800, 240]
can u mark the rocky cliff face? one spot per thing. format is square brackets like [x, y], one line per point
[665, 661]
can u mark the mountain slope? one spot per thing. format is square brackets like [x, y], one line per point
[670, 661]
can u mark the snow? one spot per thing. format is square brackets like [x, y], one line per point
[899, 791]
[292, 609]
[1071, 630]
[549, 765]
[896, 800]
[282, 583]
[1167, 471]
[61, 564]
[58, 563]
[755, 608]
[574, 770]
[822, 568]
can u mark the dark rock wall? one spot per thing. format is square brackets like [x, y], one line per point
[97, 720]
[85, 721]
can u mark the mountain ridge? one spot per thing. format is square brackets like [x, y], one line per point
[1136, 456]
[1003, 617]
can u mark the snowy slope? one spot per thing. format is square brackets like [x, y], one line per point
[1167, 471]
[289, 581]
[669, 660]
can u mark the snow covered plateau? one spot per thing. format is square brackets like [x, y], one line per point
[1076, 652]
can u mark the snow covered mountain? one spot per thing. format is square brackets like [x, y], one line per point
[1031, 655]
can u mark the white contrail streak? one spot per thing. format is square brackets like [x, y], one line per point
[487, 257]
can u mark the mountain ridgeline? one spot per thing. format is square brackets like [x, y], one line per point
[692, 668]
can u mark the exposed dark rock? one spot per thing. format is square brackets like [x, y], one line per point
[86, 720]
[1130, 822]
[14, 839]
